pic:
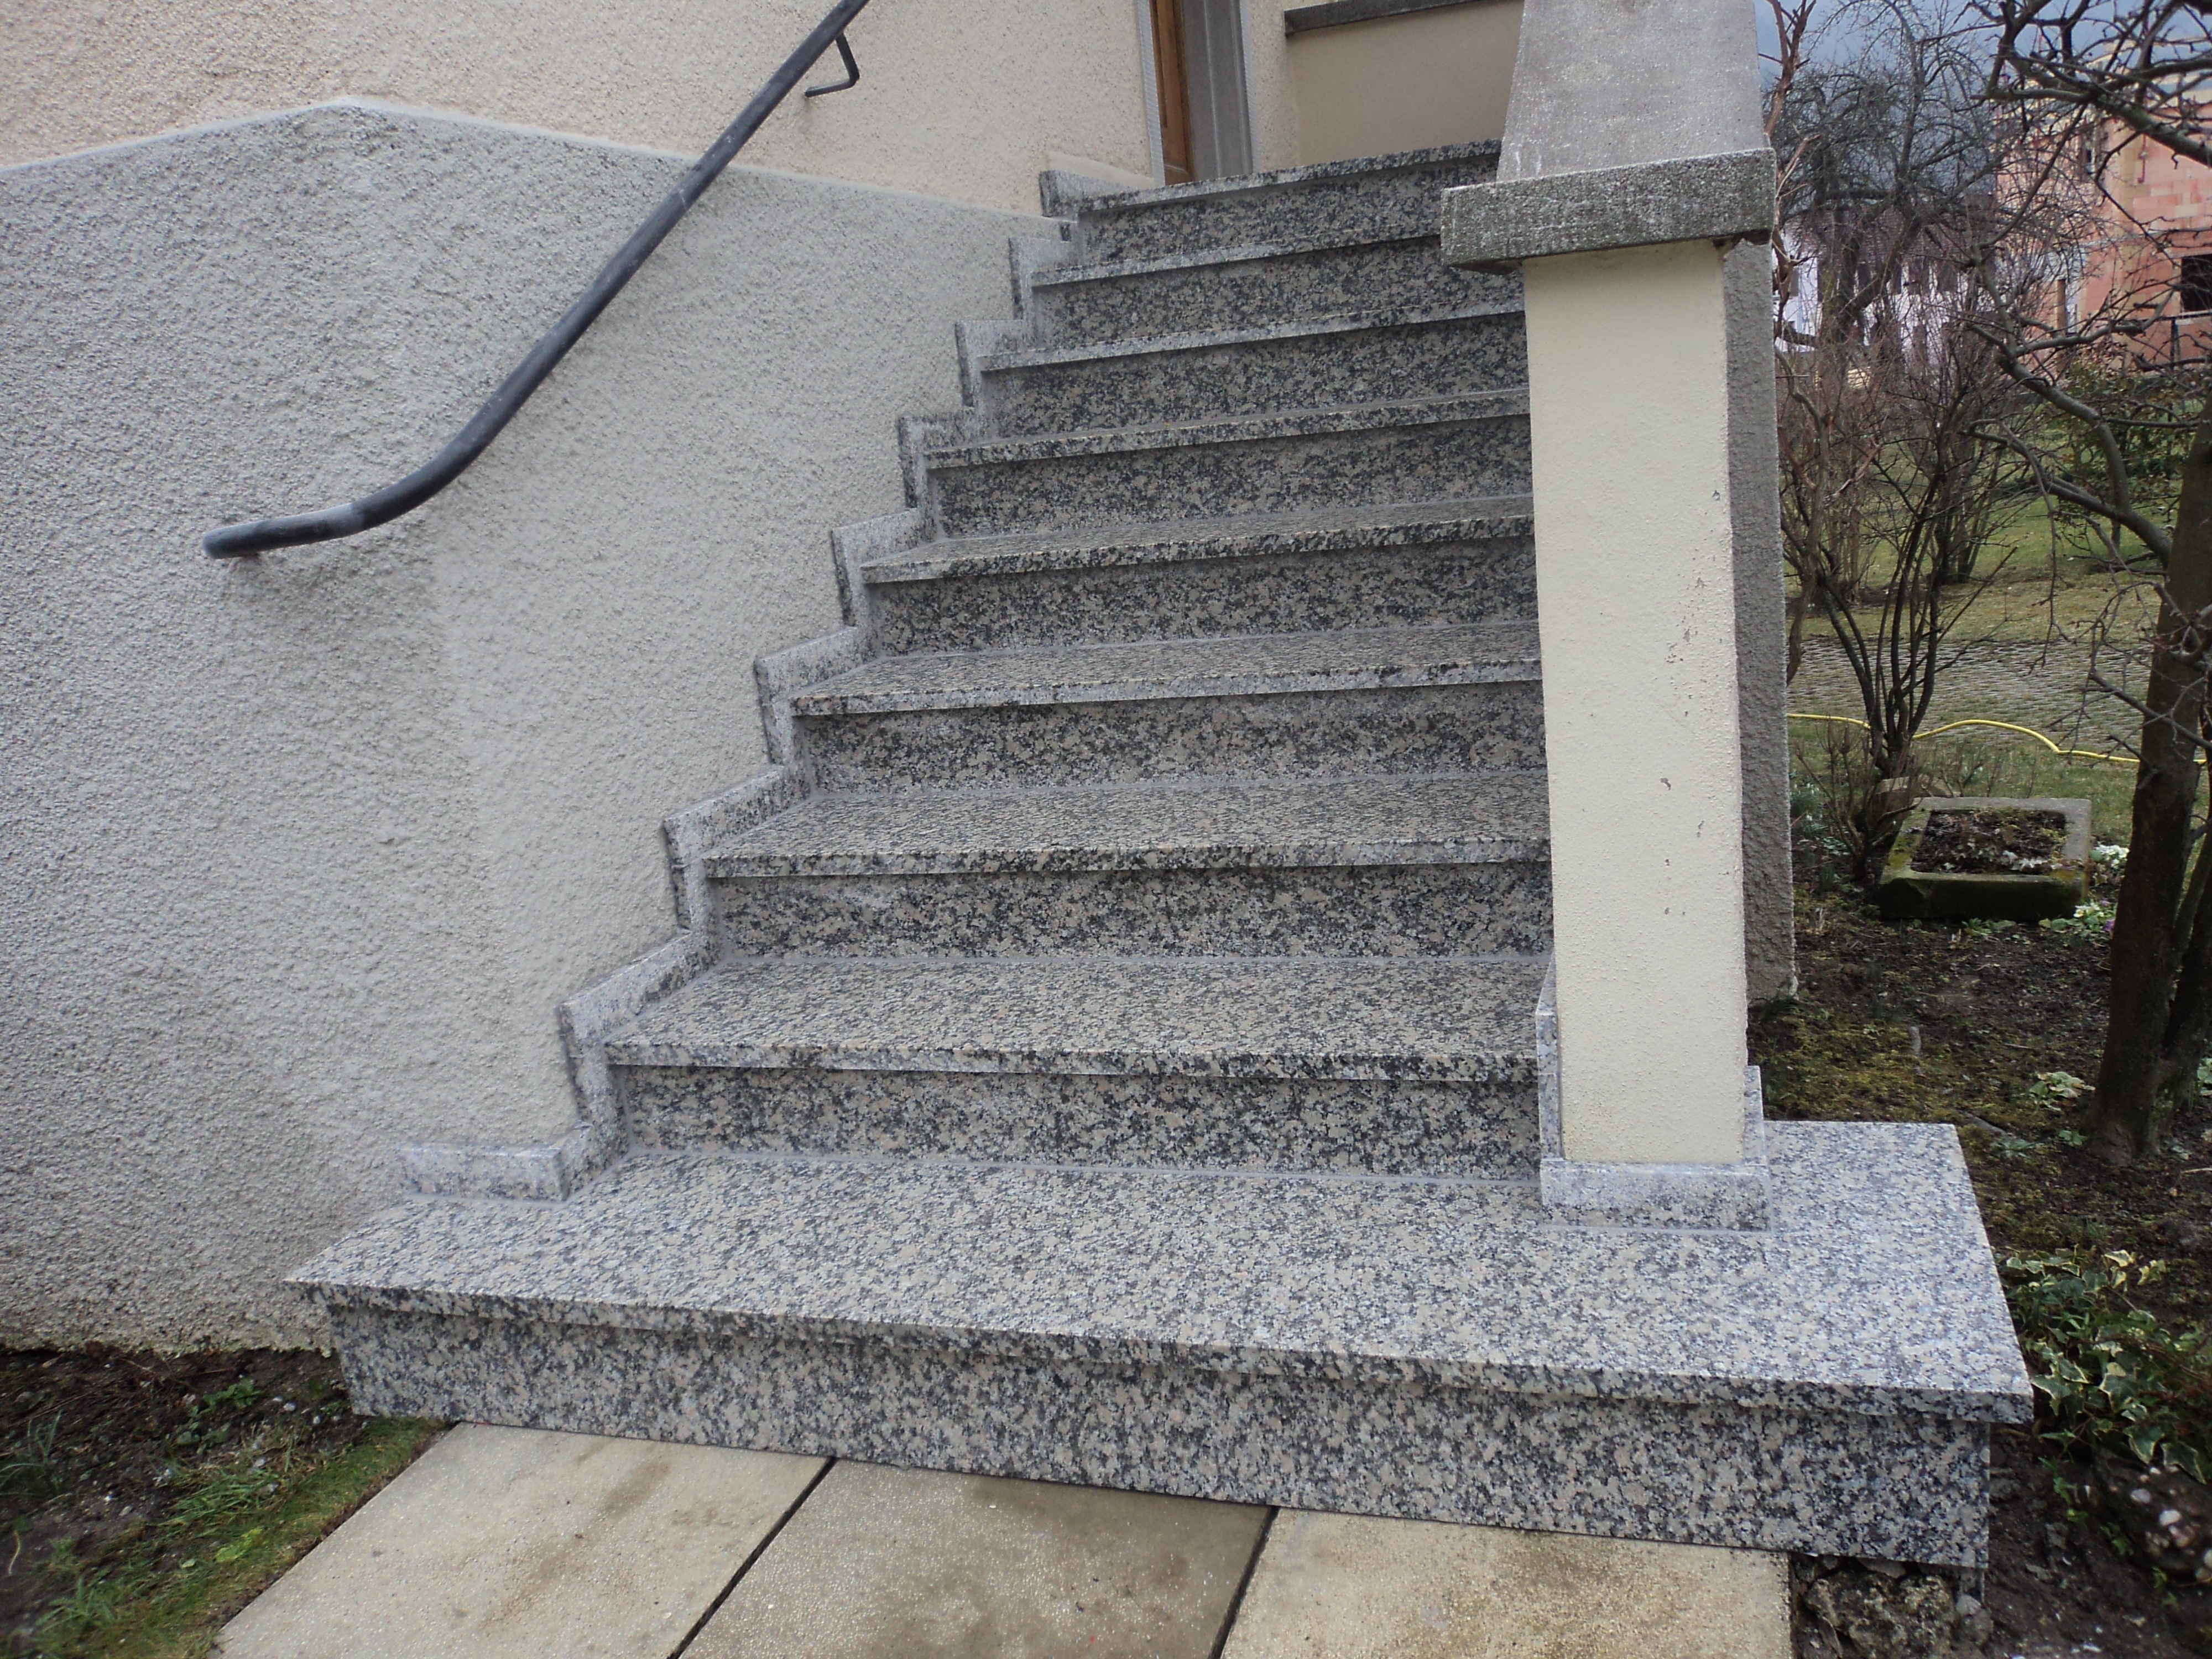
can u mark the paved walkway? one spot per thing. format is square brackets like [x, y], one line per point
[511, 1543]
[2046, 687]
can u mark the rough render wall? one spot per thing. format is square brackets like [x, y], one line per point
[304, 853]
[1274, 103]
[1762, 637]
[959, 98]
[1407, 81]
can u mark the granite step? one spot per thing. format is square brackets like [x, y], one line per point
[1337, 867]
[1430, 1349]
[1072, 305]
[1413, 451]
[1210, 374]
[1374, 198]
[1399, 1067]
[1282, 573]
[1349, 702]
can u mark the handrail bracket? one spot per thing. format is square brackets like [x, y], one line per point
[852, 73]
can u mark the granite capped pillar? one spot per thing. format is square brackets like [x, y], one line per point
[1634, 167]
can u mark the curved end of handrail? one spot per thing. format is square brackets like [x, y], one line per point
[246, 541]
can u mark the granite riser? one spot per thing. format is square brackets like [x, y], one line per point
[1354, 207]
[1432, 359]
[1472, 1131]
[1431, 460]
[1422, 729]
[1305, 287]
[1289, 594]
[1345, 911]
[1747, 1478]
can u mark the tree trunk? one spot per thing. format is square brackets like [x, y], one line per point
[2148, 944]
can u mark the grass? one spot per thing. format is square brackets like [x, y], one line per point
[243, 1530]
[145, 1499]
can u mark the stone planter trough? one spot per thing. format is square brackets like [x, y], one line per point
[2033, 895]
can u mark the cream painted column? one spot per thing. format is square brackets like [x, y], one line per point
[1636, 607]
[1633, 161]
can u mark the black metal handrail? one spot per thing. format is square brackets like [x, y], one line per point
[350, 518]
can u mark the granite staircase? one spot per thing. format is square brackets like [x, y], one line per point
[1103, 1049]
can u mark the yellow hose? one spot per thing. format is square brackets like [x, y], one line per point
[2001, 726]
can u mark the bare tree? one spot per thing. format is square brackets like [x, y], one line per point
[2080, 282]
[1887, 171]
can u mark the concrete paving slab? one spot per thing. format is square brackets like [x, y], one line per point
[900, 1564]
[499, 1542]
[1353, 1587]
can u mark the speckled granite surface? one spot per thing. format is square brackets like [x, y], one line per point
[1477, 1130]
[1876, 1295]
[1427, 1018]
[1379, 452]
[1206, 823]
[1362, 867]
[1310, 911]
[1297, 1326]
[1144, 670]
[1312, 530]
[1336, 202]
[1451, 582]
[1892, 1488]
[1263, 734]
[1204, 375]
[1230, 288]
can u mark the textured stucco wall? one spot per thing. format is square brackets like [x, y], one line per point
[303, 854]
[1762, 629]
[964, 99]
[1404, 83]
[1635, 601]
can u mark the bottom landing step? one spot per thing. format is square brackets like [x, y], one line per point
[1405, 1347]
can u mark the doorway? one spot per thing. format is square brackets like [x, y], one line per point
[1205, 118]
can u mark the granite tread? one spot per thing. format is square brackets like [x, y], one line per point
[1107, 270]
[1199, 825]
[1193, 340]
[1320, 529]
[1251, 287]
[1357, 167]
[1150, 670]
[1232, 429]
[1391, 1280]
[1417, 1018]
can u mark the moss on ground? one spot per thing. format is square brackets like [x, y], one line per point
[148, 1498]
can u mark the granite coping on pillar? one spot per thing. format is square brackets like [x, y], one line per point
[1938, 895]
[1253, 536]
[1716, 198]
[1874, 1294]
[1144, 671]
[1411, 1018]
[1205, 823]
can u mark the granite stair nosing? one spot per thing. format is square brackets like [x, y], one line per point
[1458, 409]
[1192, 824]
[1478, 653]
[1252, 536]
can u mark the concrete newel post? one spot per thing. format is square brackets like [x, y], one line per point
[1633, 161]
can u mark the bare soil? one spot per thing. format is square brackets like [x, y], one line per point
[1995, 840]
[1988, 1028]
[129, 1480]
